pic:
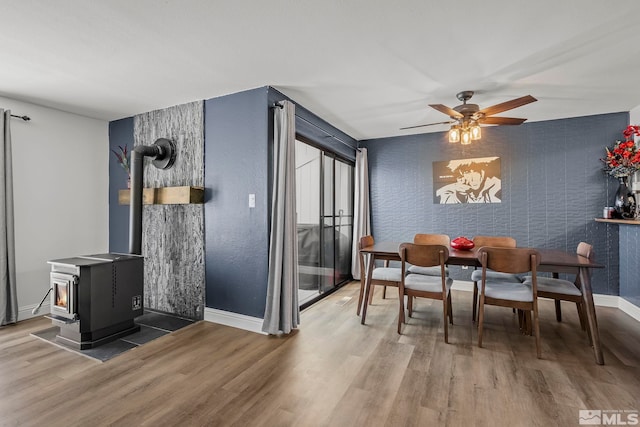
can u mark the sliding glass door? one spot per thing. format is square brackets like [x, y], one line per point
[324, 197]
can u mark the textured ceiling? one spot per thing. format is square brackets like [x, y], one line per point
[368, 67]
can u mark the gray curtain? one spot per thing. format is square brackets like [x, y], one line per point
[282, 313]
[361, 215]
[8, 292]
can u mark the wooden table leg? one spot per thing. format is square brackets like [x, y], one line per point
[590, 308]
[367, 288]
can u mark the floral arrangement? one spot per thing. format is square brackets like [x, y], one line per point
[123, 158]
[624, 158]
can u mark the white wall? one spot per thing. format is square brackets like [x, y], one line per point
[61, 183]
[634, 119]
[634, 116]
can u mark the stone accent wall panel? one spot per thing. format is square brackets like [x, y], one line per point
[173, 235]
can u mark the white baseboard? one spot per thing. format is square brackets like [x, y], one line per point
[25, 312]
[235, 320]
[606, 300]
[631, 309]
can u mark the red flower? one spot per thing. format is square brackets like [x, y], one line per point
[623, 158]
[630, 131]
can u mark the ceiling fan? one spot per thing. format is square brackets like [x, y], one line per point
[467, 118]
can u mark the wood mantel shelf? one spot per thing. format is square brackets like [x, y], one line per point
[619, 221]
[165, 196]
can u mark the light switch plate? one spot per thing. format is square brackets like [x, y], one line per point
[252, 200]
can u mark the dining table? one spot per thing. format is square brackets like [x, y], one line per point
[551, 260]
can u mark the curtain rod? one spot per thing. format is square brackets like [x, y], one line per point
[25, 118]
[278, 105]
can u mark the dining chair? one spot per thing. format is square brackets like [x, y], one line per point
[476, 275]
[513, 294]
[564, 290]
[385, 276]
[430, 239]
[423, 285]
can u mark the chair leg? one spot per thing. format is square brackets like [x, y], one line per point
[474, 311]
[480, 320]
[401, 310]
[558, 311]
[446, 324]
[527, 320]
[360, 295]
[371, 292]
[524, 321]
[410, 305]
[521, 324]
[450, 308]
[536, 331]
[384, 289]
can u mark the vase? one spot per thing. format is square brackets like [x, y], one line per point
[625, 202]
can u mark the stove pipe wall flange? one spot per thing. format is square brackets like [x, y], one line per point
[163, 152]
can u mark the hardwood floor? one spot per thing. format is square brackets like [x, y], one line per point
[332, 372]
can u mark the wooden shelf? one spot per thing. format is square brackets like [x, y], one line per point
[619, 221]
[165, 196]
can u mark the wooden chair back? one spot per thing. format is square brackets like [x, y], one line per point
[365, 241]
[509, 260]
[496, 241]
[585, 250]
[424, 255]
[432, 239]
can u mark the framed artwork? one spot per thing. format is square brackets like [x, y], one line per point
[467, 181]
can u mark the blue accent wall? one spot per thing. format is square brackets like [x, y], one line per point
[236, 236]
[630, 263]
[552, 188]
[120, 134]
[238, 162]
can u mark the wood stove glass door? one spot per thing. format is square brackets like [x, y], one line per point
[62, 293]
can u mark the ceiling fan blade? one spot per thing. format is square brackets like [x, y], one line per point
[514, 103]
[428, 124]
[446, 110]
[502, 121]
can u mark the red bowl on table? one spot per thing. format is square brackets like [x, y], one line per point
[462, 244]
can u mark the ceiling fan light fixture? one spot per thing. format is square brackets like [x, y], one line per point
[476, 132]
[454, 134]
[465, 137]
[468, 117]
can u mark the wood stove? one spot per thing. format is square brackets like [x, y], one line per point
[95, 298]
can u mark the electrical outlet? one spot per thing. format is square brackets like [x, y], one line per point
[252, 200]
[465, 267]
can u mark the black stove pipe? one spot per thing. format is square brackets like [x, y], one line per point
[164, 153]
